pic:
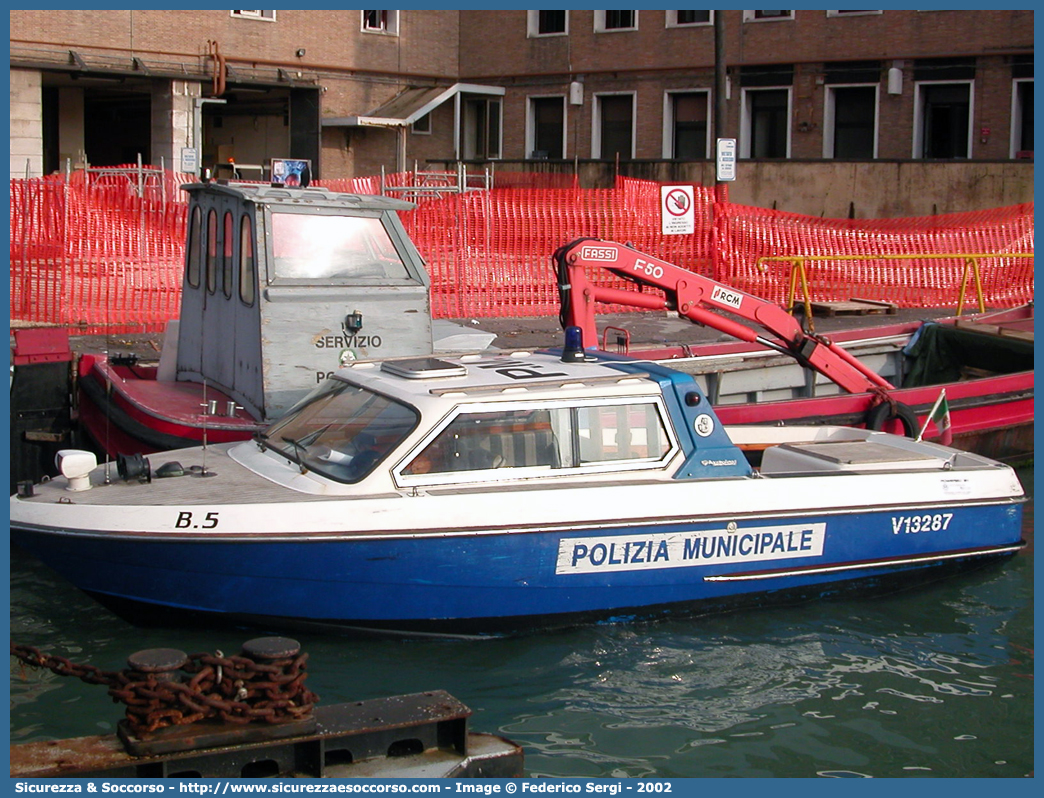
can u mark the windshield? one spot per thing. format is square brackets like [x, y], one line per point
[333, 247]
[342, 432]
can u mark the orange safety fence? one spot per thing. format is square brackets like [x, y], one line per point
[876, 258]
[105, 252]
[489, 253]
[97, 252]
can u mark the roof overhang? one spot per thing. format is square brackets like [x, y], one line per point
[411, 104]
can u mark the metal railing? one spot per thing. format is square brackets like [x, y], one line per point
[438, 184]
[968, 260]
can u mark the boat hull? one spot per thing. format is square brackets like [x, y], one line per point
[495, 581]
[863, 587]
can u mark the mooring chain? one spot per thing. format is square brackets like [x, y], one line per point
[60, 665]
[178, 689]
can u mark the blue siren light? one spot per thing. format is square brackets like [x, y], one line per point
[573, 351]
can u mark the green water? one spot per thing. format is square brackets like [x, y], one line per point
[932, 682]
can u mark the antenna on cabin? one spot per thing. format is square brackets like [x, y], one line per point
[108, 396]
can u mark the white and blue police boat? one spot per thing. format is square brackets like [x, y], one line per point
[498, 492]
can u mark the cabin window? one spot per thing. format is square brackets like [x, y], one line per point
[543, 441]
[523, 438]
[342, 431]
[620, 432]
[247, 264]
[212, 249]
[334, 248]
[228, 240]
[195, 252]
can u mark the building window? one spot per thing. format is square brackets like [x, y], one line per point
[546, 134]
[547, 23]
[686, 131]
[381, 22]
[422, 125]
[943, 97]
[850, 13]
[1022, 119]
[768, 16]
[765, 103]
[679, 19]
[614, 126]
[942, 126]
[375, 20]
[850, 122]
[765, 123]
[615, 20]
[480, 128]
[268, 16]
[1022, 105]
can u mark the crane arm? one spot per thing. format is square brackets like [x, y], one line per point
[698, 299]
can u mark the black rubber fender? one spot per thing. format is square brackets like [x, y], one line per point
[882, 413]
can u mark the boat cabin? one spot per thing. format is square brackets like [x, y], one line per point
[284, 285]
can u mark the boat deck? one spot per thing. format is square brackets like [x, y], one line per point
[1011, 325]
[232, 484]
[226, 482]
[183, 402]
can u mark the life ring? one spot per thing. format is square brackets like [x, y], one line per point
[881, 414]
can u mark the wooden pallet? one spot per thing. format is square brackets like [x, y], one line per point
[854, 307]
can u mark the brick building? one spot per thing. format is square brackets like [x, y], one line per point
[801, 84]
[357, 90]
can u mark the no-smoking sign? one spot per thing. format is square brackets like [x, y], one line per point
[677, 212]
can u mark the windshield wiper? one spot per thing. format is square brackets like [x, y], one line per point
[300, 450]
[301, 444]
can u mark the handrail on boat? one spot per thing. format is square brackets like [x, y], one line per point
[969, 260]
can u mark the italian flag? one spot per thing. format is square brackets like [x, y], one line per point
[940, 415]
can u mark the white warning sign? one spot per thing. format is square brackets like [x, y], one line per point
[677, 210]
[725, 162]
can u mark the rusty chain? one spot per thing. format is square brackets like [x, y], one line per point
[233, 689]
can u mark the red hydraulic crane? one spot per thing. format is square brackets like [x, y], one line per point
[699, 299]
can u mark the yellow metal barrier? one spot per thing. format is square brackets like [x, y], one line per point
[970, 261]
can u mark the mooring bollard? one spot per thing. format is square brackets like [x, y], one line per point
[267, 649]
[163, 664]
